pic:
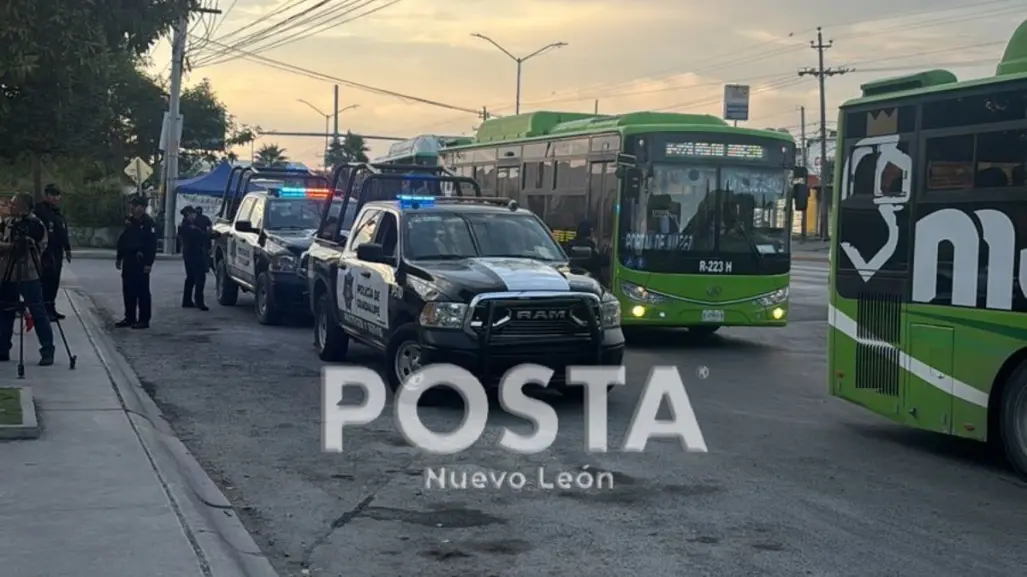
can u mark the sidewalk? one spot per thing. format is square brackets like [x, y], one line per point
[110, 253]
[107, 490]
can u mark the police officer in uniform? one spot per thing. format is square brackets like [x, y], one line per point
[58, 247]
[208, 227]
[137, 249]
[193, 237]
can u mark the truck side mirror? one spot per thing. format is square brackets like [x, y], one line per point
[244, 226]
[800, 196]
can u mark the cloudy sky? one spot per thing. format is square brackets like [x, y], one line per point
[672, 55]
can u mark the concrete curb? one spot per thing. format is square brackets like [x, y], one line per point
[29, 427]
[224, 546]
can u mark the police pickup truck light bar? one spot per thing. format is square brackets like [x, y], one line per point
[411, 201]
[293, 192]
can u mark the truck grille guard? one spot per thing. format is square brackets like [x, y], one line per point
[490, 315]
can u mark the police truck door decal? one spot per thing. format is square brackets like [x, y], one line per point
[887, 154]
[364, 300]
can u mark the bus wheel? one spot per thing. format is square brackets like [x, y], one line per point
[1013, 420]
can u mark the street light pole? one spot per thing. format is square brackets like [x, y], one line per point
[519, 60]
[328, 117]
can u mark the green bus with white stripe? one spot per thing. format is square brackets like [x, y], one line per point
[690, 216]
[928, 301]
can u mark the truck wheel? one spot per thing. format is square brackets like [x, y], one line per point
[225, 288]
[330, 341]
[403, 358]
[264, 303]
[1013, 420]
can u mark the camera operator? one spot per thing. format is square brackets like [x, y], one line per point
[58, 247]
[22, 242]
[137, 250]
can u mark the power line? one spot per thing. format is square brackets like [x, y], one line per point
[277, 26]
[720, 63]
[321, 23]
[285, 67]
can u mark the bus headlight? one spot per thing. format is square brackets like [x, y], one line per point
[443, 315]
[638, 294]
[283, 263]
[610, 311]
[775, 298]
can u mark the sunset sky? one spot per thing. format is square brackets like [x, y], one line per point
[642, 55]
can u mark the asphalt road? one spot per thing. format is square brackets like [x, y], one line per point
[795, 483]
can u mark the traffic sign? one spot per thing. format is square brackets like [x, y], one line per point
[138, 170]
[736, 102]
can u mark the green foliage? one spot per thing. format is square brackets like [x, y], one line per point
[57, 62]
[270, 155]
[352, 148]
[91, 197]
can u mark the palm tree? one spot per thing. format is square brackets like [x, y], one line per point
[354, 149]
[270, 155]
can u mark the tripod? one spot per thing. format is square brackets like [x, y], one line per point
[21, 252]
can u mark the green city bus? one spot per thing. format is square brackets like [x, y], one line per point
[690, 216]
[933, 179]
[421, 150]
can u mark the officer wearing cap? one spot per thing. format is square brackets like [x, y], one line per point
[193, 237]
[137, 249]
[58, 246]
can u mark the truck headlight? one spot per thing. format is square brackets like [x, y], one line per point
[283, 263]
[775, 298]
[639, 294]
[610, 311]
[443, 315]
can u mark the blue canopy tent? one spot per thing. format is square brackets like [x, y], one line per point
[211, 184]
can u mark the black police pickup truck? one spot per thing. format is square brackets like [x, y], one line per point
[476, 282]
[259, 250]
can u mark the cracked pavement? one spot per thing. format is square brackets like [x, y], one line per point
[795, 483]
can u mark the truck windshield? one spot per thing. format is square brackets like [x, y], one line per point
[689, 210]
[296, 214]
[454, 236]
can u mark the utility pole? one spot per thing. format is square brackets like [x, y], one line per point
[336, 131]
[173, 127]
[805, 160]
[596, 110]
[822, 73]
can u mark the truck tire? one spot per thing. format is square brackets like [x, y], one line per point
[225, 289]
[330, 341]
[264, 303]
[1013, 420]
[402, 357]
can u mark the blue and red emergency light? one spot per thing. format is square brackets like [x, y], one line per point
[294, 192]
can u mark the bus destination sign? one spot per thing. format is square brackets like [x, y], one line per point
[715, 150]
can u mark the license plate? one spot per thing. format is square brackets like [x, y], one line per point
[713, 316]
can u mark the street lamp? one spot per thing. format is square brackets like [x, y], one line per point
[519, 61]
[328, 133]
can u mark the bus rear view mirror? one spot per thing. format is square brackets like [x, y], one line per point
[800, 196]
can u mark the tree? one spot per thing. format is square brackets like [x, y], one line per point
[57, 62]
[351, 148]
[209, 132]
[271, 155]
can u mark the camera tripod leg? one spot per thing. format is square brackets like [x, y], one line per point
[72, 359]
[21, 348]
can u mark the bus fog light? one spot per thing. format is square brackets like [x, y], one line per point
[778, 313]
[638, 311]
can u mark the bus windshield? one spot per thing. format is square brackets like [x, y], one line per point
[693, 210]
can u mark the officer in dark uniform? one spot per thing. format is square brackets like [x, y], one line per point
[58, 247]
[208, 227]
[137, 249]
[193, 237]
